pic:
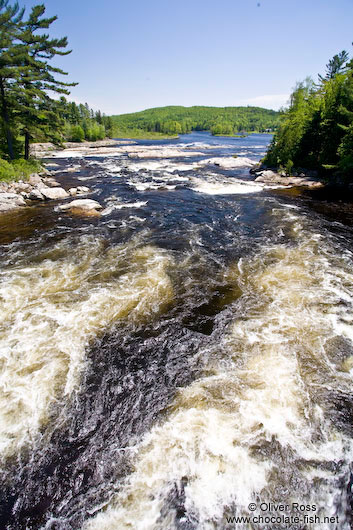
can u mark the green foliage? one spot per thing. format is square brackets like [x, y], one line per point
[289, 167]
[27, 80]
[82, 123]
[316, 131]
[95, 132]
[140, 134]
[176, 120]
[76, 134]
[18, 169]
[224, 128]
[345, 153]
[26, 74]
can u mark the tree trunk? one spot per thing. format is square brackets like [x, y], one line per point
[26, 145]
[5, 117]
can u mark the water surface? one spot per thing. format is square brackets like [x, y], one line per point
[183, 355]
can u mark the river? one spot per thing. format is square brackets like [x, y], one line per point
[180, 357]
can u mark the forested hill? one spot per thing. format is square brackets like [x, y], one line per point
[177, 120]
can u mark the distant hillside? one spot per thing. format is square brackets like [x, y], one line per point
[175, 120]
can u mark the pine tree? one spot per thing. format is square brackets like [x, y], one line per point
[26, 74]
[37, 76]
[10, 20]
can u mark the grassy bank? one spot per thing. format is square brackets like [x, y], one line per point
[18, 169]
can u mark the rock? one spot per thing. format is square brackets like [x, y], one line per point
[40, 150]
[35, 179]
[49, 181]
[79, 190]
[270, 177]
[22, 186]
[36, 195]
[82, 204]
[54, 193]
[85, 213]
[9, 201]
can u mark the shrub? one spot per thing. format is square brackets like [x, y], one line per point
[18, 169]
[76, 134]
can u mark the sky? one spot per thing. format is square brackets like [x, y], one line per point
[129, 55]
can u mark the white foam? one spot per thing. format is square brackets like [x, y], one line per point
[228, 162]
[49, 312]
[255, 393]
[231, 187]
[112, 205]
[152, 186]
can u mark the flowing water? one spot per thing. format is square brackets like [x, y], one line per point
[185, 354]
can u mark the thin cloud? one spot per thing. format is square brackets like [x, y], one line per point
[270, 101]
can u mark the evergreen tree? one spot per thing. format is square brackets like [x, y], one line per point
[26, 74]
[37, 76]
[10, 20]
[335, 66]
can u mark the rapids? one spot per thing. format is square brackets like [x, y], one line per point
[185, 354]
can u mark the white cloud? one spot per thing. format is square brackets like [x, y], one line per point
[269, 101]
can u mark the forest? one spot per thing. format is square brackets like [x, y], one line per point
[174, 120]
[316, 131]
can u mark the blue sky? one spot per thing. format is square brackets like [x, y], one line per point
[129, 55]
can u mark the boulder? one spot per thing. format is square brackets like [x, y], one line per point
[21, 186]
[269, 177]
[54, 193]
[82, 189]
[73, 191]
[81, 204]
[9, 201]
[35, 179]
[36, 195]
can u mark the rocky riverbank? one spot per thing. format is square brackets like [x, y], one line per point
[43, 150]
[270, 177]
[38, 188]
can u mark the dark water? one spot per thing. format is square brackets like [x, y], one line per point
[184, 354]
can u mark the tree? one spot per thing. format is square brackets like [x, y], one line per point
[316, 131]
[10, 20]
[37, 76]
[335, 66]
[77, 134]
[28, 76]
